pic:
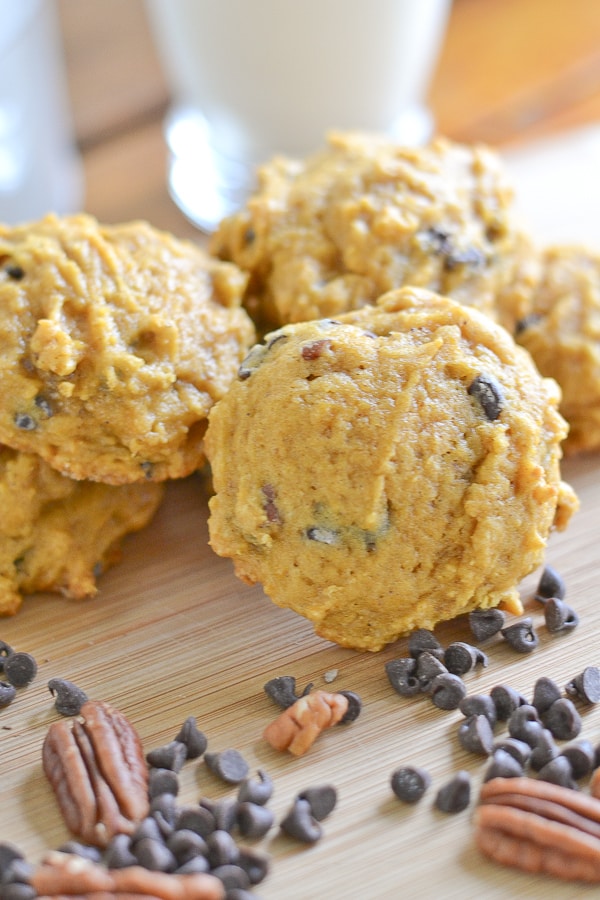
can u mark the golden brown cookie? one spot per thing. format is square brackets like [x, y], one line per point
[116, 341]
[387, 470]
[57, 534]
[561, 330]
[329, 234]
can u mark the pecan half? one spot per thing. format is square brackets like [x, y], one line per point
[63, 874]
[97, 769]
[537, 826]
[297, 727]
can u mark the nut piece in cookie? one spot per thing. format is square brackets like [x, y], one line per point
[57, 534]
[389, 469]
[116, 341]
[330, 233]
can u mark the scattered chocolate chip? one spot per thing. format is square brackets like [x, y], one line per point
[488, 393]
[256, 790]
[185, 845]
[559, 616]
[524, 724]
[283, 690]
[521, 636]
[460, 658]
[455, 795]
[221, 849]
[154, 855]
[253, 820]
[18, 890]
[543, 750]
[15, 272]
[256, 866]
[163, 808]
[519, 750]
[475, 735]
[194, 866]
[322, 535]
[527, 322]
[479, 705]
[162, 781]
[354, 707]
[224, 811]
[300, 824]
[322, 800]
[8, 854]
[229, 765]
[5, 651]
[147, 828]
[506, 700]
[252, 361]
[485, 623]
[249, 235]
[447, 691]
[545, 693]
[586, 685]
[44, 405]
[550, 585]
[195, 818]
[68, 697]
[409, 783]
[85, 851]
[558, 771]
[581, 756]
[118, 854]
[503, 765]
[8, 692]
[232, 877]
[563, 720]
[402, 675]
[169, 756]
[428, 668]
[192, 738]
[25, 422]
[421, 640]
[20, 669]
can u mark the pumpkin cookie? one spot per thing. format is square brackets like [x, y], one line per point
[58, 534]
[329, 234]
[116, 341]
[561, 330]
[389, 469]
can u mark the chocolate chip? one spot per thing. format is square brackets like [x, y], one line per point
[196, 818]
[543, 750]
[506, 700]
[488, 393]
[525, 725]
[69, 698]
[147, 828]
[8, 854]
[162, 781]
[409, 783]
[322, 800]
[194, 866]
[485, 623]
[300, 824]
[20, 669]
[192, 738]
[460, 658]
[25, 422]
[354, 707]
[224, 811]
[479, 705]
[270, 508]
[8, 692]
[563, 720]
[164, 809]
[322, 535]
[475, 735]
[447, 691]
[581, 756]
[558, 771]
[422, 640]
[521, 636]
[118, 854]
[252, 361]
[527, 322]
[249, 235]
[402, 675]
[256, 790]
[5, 651]
[283, 690]
[503, 765]
[84, 851]
[586, 685]
[18, 890]
[15, 272]
[559, 616]
[455, 795]
[169, 756]
[43, 404]
[221, 849]
[253, 820]
[519, 750]
[229, 765]
[545, 692]
[154, 855]
[551, 584]
[185, 845]
[232, 877]
[256, 866]
[428, 668]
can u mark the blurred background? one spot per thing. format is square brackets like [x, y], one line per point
[509, 72]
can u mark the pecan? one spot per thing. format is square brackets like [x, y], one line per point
[64, 874]
[298, 726]
[97, 769]
[537, 826]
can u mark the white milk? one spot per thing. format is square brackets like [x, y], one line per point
[254, 77]
[39, 166]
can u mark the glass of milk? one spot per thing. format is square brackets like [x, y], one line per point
[251, 78]
[40, 169]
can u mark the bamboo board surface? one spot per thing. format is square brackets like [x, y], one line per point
[172, 633]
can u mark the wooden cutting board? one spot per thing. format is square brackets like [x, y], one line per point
[172, 633]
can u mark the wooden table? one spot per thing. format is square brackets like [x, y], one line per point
[173, 633]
